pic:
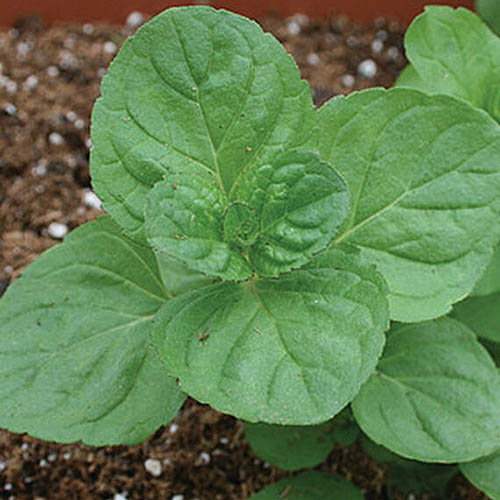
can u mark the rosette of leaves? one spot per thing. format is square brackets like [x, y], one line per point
[255, 248]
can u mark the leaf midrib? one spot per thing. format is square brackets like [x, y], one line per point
[202, 111]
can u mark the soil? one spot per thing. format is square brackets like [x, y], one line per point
[49, 79]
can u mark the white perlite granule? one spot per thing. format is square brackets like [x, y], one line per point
[153, 466]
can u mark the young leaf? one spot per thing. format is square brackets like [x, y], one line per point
[435, 396]
[291, 447]
[311, 485]
[291, 352]
[76, 361]
[300, 203]
[194, 86]
[454, 53]
[282, 213]
[425, 204]
[483, 474]
[489, 10]
[183, 221]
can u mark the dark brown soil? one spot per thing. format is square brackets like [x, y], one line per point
[49, 79]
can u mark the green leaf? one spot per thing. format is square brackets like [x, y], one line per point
[291, 447]
[454, 53]
[183, 221]
[481, 310]
[490, 280]
[489, 10]
[76, 361]
[483, 474]
[300, 203]
[435, 396]
[481, 314]
[311, 485]
[194, 87]
[291, 352]
[177, 277]
[378, 452]
[410, 78]
[345, 429]
[493, 348]
[424, 204]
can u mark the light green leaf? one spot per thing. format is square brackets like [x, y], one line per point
[194, 87]
[184, 221]
[76, 362]
[489, 10]
[311, 485]
[300, 203]
[410, 78]
[435, 396]
[291, 447]
[291, 352]
[454, 53]
[177, 277]
[484, 474]
[424, 204]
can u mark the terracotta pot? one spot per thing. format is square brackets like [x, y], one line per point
[116, 11]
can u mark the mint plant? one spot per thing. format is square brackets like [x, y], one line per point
[254, 253]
